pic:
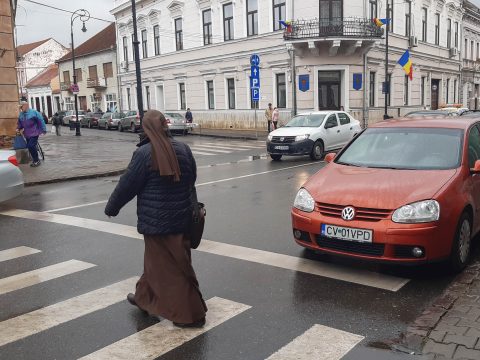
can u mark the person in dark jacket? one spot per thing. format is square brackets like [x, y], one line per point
[57, 123]
[189, 116]
[162, 174]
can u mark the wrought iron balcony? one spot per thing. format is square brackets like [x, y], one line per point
[97, 83]
[355, 28]
[65, 86]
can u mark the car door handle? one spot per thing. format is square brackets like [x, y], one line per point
[351, 128]
[338, 131]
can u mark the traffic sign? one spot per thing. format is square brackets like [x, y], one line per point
[254, 60]
[74, 88]
[255, 94]
[255, 77]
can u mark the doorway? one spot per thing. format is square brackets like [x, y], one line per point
[49, 106]
[37, 104]
[160, 98]
[435, 89]
[83, 102]
[329, 85]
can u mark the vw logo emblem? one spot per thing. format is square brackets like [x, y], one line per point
[348, 213]
[282, 138]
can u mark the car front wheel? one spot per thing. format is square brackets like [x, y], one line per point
[120, 128]
[317, 151]
[275, 157]
[133, 129]
[461, 247]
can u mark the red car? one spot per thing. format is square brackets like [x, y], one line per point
[402, 191]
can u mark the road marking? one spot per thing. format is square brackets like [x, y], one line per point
[235, 145]
[318, 342]
[43, 319]
[38, 276]
[17, 253]
[210, 149]
[202, 153]
[197, 185]
[333, 271]
[163, 337]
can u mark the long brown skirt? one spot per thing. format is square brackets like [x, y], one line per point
[169, 286]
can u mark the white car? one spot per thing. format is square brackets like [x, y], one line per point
[313, 134]
[11, 178]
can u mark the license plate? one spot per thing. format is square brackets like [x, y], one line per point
[281, 147]
[345, 233]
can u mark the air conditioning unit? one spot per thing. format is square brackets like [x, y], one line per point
[413, 41]
[453, 52]
[124, 65]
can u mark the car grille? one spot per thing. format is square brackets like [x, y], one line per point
[283, 139]
[361, 214]
[353, 247]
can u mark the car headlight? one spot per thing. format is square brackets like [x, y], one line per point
[419, 212]
[302, 137]
[304, 201]
[270, 137]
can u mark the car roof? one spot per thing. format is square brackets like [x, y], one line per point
[323, 112]
[426, 122]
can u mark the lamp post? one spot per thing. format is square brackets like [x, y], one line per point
[83, 15]
[138, 72]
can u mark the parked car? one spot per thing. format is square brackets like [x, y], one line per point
[110, 120]
[61, 115]
[430, 113]
[312, 134]
[90, 119]
[177, 123]
[11, 178]
[402, 191]
[131, 121]
[71, 117]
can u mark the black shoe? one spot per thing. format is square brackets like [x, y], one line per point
[197, 324]
[35, 163]
[131, 300]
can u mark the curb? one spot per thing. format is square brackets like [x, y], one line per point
[72, 178]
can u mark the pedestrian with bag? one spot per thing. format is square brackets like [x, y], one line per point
[57, 123]
[189, 116]
[162, 175]
[31, 123]
[268, 116]
[275, 116]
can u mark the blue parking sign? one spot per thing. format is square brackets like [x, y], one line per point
[255, 94]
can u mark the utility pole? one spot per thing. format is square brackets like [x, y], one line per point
[138, 72]
[387, 83]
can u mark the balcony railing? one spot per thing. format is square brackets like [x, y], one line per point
[96, 83]
[65, 86]
[471, 64]
[358, 28]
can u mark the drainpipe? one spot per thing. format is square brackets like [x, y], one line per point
[119, 88]
[294, 81]
[365, 109]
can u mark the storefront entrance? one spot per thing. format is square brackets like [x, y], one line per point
[435, 90]
[329, 85]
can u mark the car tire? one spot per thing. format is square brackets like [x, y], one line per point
[89, 125]
[317, 151]
[107, 127]
[120, 128]
[461, 247]
[133, 128]
[276, 157]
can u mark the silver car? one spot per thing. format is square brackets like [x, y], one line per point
[131, 121]
[110, 120]
[177, 123]
[11, 178]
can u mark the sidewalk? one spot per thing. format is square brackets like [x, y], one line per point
[450, 328]
[232, 133]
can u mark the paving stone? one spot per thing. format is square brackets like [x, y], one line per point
[463, 353]
[446, 300]
[439, 348]
[468, 324]
[466, 277]
[437, 335]
[473, 333]
[452, 329]
[468, 341]
[460, 308]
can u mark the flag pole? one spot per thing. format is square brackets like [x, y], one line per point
[387, 83]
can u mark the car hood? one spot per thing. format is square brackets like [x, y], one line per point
[293, 131]
[375, 188]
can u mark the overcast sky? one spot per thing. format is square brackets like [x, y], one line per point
[37, 22]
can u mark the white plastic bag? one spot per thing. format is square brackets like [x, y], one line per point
[54, 129]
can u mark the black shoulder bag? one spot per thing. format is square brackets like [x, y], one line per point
[198, 220]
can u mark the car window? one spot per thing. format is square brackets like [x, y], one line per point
[344, 118]
[105, 116]
[122, 115]
[331, 122]
[473, 146]
[310, 120]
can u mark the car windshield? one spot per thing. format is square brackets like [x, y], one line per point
[173, 115]
[405, 148]
[311, 120]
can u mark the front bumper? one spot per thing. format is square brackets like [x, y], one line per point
[303, 147]
[392, 242]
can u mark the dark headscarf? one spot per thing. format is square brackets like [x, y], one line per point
[164, 158]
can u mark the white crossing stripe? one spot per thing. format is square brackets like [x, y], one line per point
[353, 275]
[319, 342]
[17, 252]
[38, 276]
[202, 153]
[210, 149]
[163, 337]
[238, 145]
[43, 319]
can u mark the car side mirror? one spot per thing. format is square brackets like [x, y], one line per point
[476, 168]
[329, 157]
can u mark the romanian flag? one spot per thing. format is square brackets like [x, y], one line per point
[381, 22]
[287, 25]
[406, 63]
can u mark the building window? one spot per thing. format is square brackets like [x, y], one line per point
[437, 29]
[455, 91]
[78, 75]
[465, 55]
[252, 17]
[478, 49]
[281, 91]
[156, 39]
[210, 95]
[94, 103]
[92, 72]
[472, 49]
[447, 91]
[183, 100]
[456, 34]
[108, 70]
[231, 93]
[278, 14]
[111, 100]
[405, 90]
[228, 22]
[66, 77]
[424, 24]
[407, 20]
[373, 9]
[133, 47]
[390, 86]
[372, 89]
[69, 103]
[129, 99]
[422, 90]
[449, 33]
[125, 49]
[179, 34]
[147, 97]
[144, 44]
[32, 103]
[207, 27]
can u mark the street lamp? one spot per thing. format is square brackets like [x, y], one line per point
[84, 16]
[138, 72]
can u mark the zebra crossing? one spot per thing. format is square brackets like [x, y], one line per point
[156, 340]
[219, 148]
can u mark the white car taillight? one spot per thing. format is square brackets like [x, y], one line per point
[13, 160]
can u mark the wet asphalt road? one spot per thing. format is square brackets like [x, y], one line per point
[251, 208]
